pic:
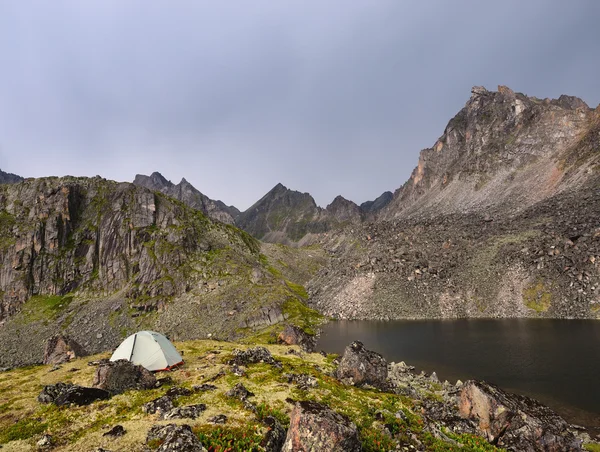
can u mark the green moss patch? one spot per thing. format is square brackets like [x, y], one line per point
[537, 297]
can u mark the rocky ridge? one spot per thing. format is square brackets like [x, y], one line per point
[188, 194]
[9, 178]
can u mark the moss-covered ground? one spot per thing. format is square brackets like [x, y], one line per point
[23, 420]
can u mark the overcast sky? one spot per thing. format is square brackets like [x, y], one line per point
[328, 97]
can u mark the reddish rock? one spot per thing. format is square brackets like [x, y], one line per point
[360, 366]
[292, 335]
[61, 349]
[515, 422]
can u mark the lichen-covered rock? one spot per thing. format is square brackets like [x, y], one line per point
[177, 391]
[160, 406]
[121, 375]
[61, 349]
[186, 412]
[173, 438]
[116, 431]
[303, 381]
[252, 356]
[315, 427]
[293, 335]
[240, 392]
[275, 436]
[360, 366]
[62, 394]
[515, 422]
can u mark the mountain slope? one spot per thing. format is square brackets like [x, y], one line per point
[99, 259]
[503, 151]
[499, 219]
[9, 178]
[187, 193]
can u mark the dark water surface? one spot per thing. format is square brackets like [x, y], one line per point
[554, 361]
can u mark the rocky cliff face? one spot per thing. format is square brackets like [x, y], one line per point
[97, 259]
[9, 178]
[187, 193]
[499, 219]
[504, 151]
[371, 207]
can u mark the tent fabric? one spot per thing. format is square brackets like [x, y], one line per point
[148, 349]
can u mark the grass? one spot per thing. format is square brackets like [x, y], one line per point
[537, 297]
[45, 307]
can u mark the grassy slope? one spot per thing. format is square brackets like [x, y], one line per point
[23, 420]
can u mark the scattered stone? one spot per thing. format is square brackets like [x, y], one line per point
[62, 394]
[218, 419]
[303, 381]
[240, 392]
[293, 335]
[275, 436]
[360, 366]
[46, 442]
[514, 422]
[254, 355]
[119, 376]
[173, 438]
[116, 431]
[186, 412]
[160, 406]
[204, 387]
[314, 426]
[165, 381]
[60, 349]
[177, 391]
[237, 370]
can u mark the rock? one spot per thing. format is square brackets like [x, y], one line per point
[237, 370]
[303, 381]
[46, 442]
[173, 438]
[116, 431]
[360, 366]
[186, 412]
[218, 419]
[314, 426]
[119, 376]
[204, 387]
[161, 406]
[514, 422]
[240, 392]
[66, 394]
[177, 391]
[254, 355]
[60, 349]
[275, 436]
[293, 335]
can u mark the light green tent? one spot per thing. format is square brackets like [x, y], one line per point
[150, 350]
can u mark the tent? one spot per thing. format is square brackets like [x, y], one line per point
[150, 350]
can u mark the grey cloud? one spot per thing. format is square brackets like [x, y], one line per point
[330, 97]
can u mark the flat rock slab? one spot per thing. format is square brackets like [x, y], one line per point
[62, 394]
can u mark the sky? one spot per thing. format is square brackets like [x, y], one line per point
[327, 97]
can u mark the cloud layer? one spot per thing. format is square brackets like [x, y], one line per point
[330, 97]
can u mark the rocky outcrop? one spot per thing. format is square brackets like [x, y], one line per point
[121, 375]
[9, 178]
[61, 349]
[64, 394]
[254, 355]
[372, 207]
[188, 194]
[345, 211]
[514, 422]
[360, 366]
[293, 335]
[314, 426]
[173, 438]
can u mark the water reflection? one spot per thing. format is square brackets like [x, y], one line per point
[556, 361]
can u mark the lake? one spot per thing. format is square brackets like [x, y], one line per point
[554, 361]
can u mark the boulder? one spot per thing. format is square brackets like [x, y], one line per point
[240, 392]
[360, 366]
[161, 405]
[61, 349]
[513, 421]
[292, 335]
[177, 391]
[314, 426]
[173, 438]
[252, 356]
[119, 376]
[275, 436]
[116, 431]
[218, 419]
[66, 394]
[186, 412]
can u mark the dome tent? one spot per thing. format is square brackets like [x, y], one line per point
[150, 350]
